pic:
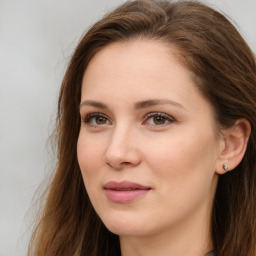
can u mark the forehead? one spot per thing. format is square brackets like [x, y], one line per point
[135, 65]
[134, 62]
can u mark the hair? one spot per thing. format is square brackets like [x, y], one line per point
[224, 69]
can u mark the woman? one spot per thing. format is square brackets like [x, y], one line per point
[156, 138]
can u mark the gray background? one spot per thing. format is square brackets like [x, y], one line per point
[36, 40]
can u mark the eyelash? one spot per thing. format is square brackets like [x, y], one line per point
[166, 118]
[87, 119]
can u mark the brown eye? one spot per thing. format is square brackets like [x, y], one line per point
[96, 119]
[159, 120]
[100, 120]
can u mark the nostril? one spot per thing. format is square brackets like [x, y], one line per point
[118, 157]
[120, 165]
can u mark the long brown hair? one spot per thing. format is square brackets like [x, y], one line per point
[224, 69]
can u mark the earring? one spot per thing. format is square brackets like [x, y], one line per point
[225, 167]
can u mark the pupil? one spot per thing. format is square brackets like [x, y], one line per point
[100, 120]
[159, 120]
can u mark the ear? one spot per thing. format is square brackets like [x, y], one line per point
[233, 145]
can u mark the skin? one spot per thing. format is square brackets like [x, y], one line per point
[176, 155]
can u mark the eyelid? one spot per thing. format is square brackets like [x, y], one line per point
[161, 114]
[86, 118]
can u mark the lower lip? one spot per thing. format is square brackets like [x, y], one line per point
[125, 196]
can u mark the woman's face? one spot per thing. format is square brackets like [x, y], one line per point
[147, 146]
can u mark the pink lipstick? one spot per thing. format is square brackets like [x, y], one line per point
[125, 191]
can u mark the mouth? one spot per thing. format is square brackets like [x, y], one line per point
[125, 191]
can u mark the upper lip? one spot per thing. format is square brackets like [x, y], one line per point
[124, 185]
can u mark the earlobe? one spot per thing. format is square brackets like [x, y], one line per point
[233, 146]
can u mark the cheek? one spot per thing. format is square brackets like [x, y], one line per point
[183, 171]
[184, 148]
[184, 161]
[90, 157]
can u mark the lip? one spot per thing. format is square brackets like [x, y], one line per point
[125, 191]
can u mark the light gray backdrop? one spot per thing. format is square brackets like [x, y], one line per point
[37, 38]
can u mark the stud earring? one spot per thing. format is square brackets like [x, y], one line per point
[225, 167]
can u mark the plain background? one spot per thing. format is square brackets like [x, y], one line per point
[37, 39]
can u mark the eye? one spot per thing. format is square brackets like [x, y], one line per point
[96, 119]
[158, 119]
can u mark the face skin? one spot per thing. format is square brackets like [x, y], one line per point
[168, 145]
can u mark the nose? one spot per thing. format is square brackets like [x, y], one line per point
[122, 150]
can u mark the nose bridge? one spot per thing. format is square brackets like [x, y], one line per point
[122, 147]
[120, 139]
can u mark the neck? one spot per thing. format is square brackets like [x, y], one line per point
[180, 244]
[191, 237]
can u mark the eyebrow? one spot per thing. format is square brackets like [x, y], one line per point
[93, 103]
[138, 105]
[154, 102]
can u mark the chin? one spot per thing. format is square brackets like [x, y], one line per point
[123, 226]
